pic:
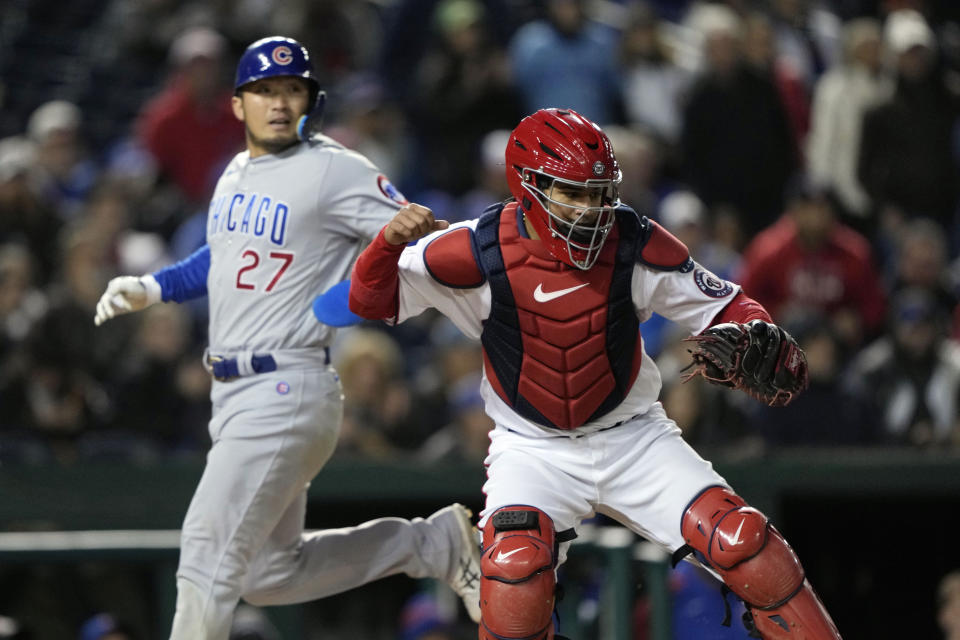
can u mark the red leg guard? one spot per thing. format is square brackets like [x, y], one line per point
[518, 581]
[757, 564]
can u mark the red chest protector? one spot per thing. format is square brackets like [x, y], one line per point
[561, 345]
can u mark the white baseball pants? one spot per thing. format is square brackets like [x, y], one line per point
[641, 473]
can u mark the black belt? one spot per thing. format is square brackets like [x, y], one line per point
[226, 369]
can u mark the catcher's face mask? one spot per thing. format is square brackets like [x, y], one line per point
[579, 215]
[562, 170]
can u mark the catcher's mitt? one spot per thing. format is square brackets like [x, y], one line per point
[759, 358]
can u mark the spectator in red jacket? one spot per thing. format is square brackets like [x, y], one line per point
[189, 128]
[808, 262]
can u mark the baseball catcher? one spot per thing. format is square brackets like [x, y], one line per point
[555, 283]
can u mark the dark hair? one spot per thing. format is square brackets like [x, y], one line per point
[803, 187]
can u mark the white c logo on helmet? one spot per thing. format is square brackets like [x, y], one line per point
[282, 55]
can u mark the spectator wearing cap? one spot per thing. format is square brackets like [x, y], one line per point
[189, 127]
[25, 217]
[64, 170]
[810, 262]
[841, 98]
[906, 162]
[912, 374]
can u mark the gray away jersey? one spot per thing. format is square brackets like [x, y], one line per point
[281, 229]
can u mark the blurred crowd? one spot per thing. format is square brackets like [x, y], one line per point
[808, 150]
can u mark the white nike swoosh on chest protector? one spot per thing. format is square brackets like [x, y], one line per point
[542, 296]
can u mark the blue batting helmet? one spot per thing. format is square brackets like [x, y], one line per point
[276, 56]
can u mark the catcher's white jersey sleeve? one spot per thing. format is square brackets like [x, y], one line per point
[692, 296]
[282, 227]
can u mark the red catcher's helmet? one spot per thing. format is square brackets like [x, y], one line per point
[560, 148]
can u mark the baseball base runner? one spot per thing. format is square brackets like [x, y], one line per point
[288, 218]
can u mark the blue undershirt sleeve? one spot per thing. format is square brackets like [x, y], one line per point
[186, 279]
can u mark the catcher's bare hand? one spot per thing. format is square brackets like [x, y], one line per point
[412, 222]
[124, 294]
[758, 357]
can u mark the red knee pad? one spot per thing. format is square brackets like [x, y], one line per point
[518, 582]
[743, 547]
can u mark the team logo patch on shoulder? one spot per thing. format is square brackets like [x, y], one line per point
[282, 55]
[711, 285]
[387, 189]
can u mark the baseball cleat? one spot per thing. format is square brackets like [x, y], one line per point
[466, 578]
